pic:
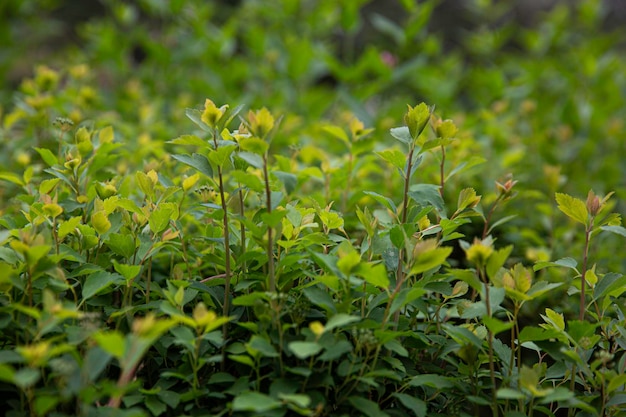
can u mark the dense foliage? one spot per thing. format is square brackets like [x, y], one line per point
[302, 242]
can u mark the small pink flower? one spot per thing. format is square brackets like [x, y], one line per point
[389, 59]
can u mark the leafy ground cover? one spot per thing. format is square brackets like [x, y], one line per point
[302, 241]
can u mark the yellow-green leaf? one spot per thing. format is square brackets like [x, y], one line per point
[572, 207]
[106, 135]
[554, 318]
[100, 222]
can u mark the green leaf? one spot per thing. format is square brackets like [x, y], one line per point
[129, 272]
[563, 262]
[467, 198]
[68, 226]
[26, 377]
[428, 195]
[340, 320]
[188, 140]
[155, 406]
[249, 180]
[45, 403]
[535, 334]
[112, 342]
[11, 177]
[129, 205]
[619, 230]
[385, 201]
[616, 382]
[195, 116]
[367, 407]
[122, 244]
[145, 183]
[299, 400]
[320, 298]
[106, 135]
[252, 158]
[430, 259]
[263, 346]
[464, 166]
[417, 406]
[402, 134]
[497, 326]
[554, 318]
[289, 180]
[255, 402]
[254, 145]
[396, 347]
[304, 350]
[337, 132]
[608, 284]
[48, 185]
[573, 207]
[197, 161]
[160, 218]
[170, 398]
[250, 299]
[374, 274]
[47, 156]
[274, 218]
[510, 394]
[416, 119]
[497, 259]
[7, 373]
[394, 156]
[431, 380]
[100, 281]
[222, 155]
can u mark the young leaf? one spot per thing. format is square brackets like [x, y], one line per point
[554, 318]
[572, 207]
[394, 156]
[47, 156]
[160, 218]
[188, 140]
[402, 134]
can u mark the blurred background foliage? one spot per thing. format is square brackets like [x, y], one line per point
[536, 87]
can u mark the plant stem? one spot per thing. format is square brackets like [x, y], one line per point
[441, 170]
[488, 219]
[242, 225]
[270, 244]
[492, 370]
[405, 205]
[581, 315]
[226, 304]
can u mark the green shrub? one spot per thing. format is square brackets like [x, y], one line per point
[313, 259]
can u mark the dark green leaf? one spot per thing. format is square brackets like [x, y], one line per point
[100, 281]
[197, 161]
[428, 195]
[417, 406]
[255, 402]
